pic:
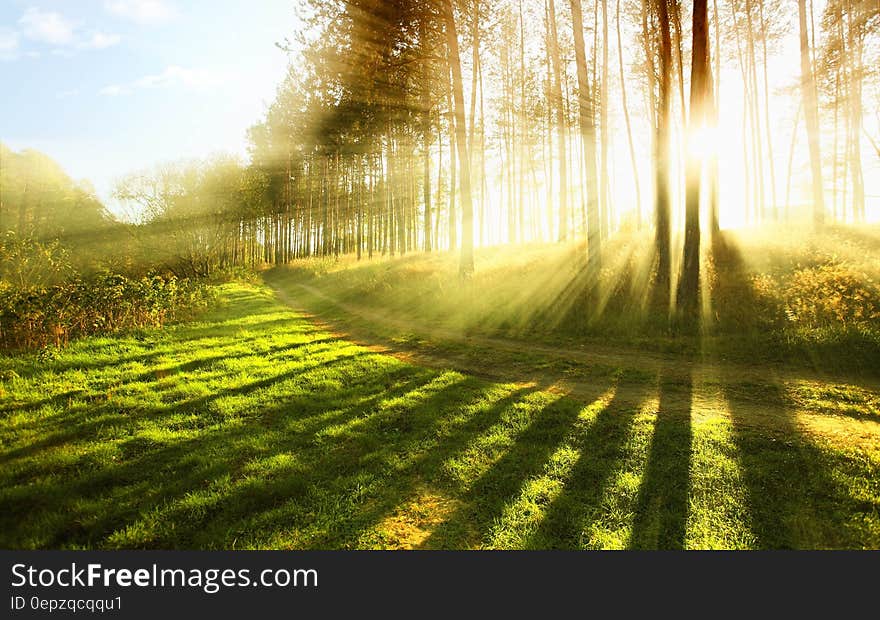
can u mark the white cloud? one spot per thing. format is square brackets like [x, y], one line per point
[100, 41]
[114, 90]
[142, 11]
[8, 44]
[62, 35]
[47, 27]
[172, 76]
[189, 78]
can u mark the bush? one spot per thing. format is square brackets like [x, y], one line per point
[234, 274]
[45, 315]
[831, 295]
[25, 262]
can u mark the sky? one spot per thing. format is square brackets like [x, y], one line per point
[108, 87]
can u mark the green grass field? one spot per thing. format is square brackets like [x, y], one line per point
[261, 427]
[792, 298]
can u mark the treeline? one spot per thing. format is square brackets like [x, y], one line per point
[425, 125]
[37, 198]
[201, 216]
[420, 125]
[68, 268]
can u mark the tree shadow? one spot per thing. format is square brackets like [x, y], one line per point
[150, 472]
[484, 500]
[601, 449]
[662, 507]
[104, 412]
[798, 494]
[325, 465]
[27, 366]
[424, 468]
[734, 302]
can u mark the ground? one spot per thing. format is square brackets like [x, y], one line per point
[286, 419]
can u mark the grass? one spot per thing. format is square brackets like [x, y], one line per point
[255, 427]
[780, 296]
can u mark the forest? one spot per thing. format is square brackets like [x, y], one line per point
[494, 274]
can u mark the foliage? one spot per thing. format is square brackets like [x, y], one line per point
[26, 262]
[191, 213]
[829, 295]
[39, 316]
[40, 201]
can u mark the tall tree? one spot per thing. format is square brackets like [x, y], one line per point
[661, 155]
[466, 265]
[629, 134]
[588, 139]
[559, 104]
[701, 104]
[714, 216]
[427, 134]
[603, 122]
[811, 114]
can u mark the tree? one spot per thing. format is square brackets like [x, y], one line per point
[588, 139]
[629, 134]
[466, 267]
[701, 104]
[811, 114]
[661, 155]
[38, 199]
[558, 103]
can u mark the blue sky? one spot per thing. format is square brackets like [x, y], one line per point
[108, 87]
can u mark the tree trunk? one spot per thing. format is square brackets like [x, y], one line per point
[811, 114]
[466, 267]
[700, 108]
[560, 121]
[770, 158]
[629, 135]
[521, 124]
[714, 221]
[661, 157]
[588, 138]
[855, 23]
[427, 138]
[603, 121]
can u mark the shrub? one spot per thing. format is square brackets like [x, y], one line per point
[50, 315]
[26, 262]
[831, 295]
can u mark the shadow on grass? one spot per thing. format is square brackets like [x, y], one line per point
[87, 501]
[320, 450]
[600, 449]
[755, 327]
[446, 436]
[106, 411]
[242, 498]
[662, 507]
[799, 494]
[150, 343]
[484, 499]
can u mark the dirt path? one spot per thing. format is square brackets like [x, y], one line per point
[366, 324]
[764, 396]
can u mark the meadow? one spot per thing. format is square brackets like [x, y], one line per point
[261, 425]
